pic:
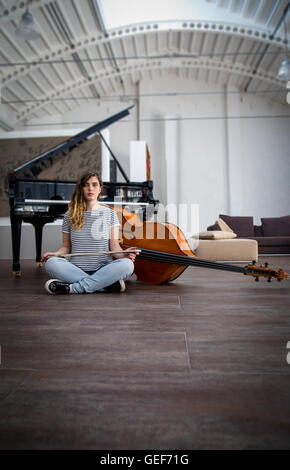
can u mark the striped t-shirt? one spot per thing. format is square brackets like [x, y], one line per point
[93, 236]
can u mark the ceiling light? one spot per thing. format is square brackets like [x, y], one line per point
[284, 71]
[27, 28]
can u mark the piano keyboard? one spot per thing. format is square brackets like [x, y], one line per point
[43, 202]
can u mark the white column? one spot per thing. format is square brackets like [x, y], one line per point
[105, 156]
[234, 148]
[138, 160]
[172, 170]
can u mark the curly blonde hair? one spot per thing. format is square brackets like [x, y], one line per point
[77, 204]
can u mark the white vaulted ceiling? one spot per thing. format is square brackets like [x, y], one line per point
[96, 50]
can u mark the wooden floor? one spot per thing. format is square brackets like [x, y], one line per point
[195, 364]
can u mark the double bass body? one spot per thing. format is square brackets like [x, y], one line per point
[160, 237]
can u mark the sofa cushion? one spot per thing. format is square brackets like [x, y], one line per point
[258, 232]
[242, 226]
[276, 226]
[216, 235]
[223, 226]
[213, 227]
[225, 250]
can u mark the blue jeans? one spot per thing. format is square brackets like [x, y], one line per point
[82, 282]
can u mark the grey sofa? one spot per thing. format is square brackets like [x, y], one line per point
[273, 235]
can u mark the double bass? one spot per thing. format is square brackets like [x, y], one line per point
[165, 253]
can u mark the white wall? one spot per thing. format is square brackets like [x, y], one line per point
[229, 159]
[232, 157]
[265, 151]
[259, 157]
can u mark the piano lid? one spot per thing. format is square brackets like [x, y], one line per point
[71, 142]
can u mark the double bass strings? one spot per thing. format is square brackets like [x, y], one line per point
[187, 260]
[165, 257]
[192, 262]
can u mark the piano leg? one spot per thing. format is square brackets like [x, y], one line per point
[38, 227]
[16, 238]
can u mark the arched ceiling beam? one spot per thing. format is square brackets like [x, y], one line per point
[145, 29]
[158, 64]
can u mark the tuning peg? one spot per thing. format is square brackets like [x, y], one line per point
[253, 262]
[256, 279]
[269, 279]
[266, 264]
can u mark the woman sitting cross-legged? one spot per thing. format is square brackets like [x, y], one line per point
[89, 227]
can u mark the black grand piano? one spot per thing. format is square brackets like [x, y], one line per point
[43, 201]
